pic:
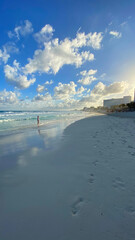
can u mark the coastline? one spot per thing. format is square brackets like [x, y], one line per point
[84, 189]
[42, 138]
[12, 122]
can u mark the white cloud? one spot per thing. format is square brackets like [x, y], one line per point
[46, 97]
[15, 77]
[81, 90]
[94, 40]
[22, 30]
[87, 80]
[10, 47]
[88, 77]
[58, 53]
[102, 90]
[65, 96]
[40, 88]
[49, 82]
[68, 104]
[68, 96]
[90, 98]
[65, 91]
[8, 97]
[87, 56]
[45, 34]
[116, 34]
[4, 56]
[68, 91]
[88, 73]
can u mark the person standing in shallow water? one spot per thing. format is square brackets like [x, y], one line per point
[37, 120]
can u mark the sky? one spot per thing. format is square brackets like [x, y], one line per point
[65, 54]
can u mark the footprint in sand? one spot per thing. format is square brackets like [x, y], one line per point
[129, 146]
[76, 206]
[94, 136]
[118, 183]
[130, 210]
[132, 153]
[91, 179]
[123, 141]
[95, 162]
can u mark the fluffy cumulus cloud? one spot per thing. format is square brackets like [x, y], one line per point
[102, 90]
[4, 56]
[45, 34]
[115, 34]
[58, 53]
[94, 40]
[68, 91]
[15, 76]
[65, 91]
[8, 97]
[40, 97]
[96, 96]
[68, 104]
[88, 73]
[81, 90]
[40, 88]
[22, 30]
[87, 77]
[65, 96]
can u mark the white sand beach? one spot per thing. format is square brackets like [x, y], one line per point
[83, 189]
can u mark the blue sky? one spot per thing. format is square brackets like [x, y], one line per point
[65, 54]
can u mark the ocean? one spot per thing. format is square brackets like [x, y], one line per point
[14, 120]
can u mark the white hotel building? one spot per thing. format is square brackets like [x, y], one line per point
[117, 101]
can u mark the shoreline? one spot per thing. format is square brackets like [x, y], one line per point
[46, 137]
[84, 188]
[45, 123]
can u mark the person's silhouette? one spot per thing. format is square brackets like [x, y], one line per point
[37, 120]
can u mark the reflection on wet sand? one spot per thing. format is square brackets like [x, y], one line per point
[39, 130]
[13, 148]
[24, 140]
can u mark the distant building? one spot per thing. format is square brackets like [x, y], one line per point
[117, 101]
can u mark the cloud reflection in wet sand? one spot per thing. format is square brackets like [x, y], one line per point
[30, 142]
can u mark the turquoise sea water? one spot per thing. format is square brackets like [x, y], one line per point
[15, 120]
